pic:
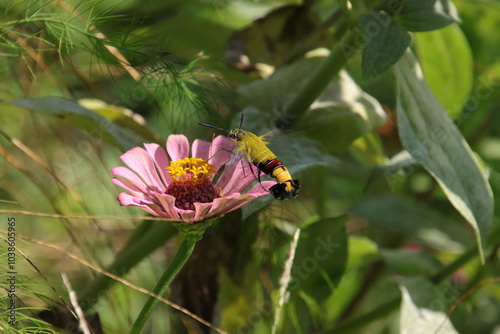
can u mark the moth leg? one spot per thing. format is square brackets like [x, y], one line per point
[260, 181]
[223, 149]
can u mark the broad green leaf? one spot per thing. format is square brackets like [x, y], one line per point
[445, 56]
[275, 92]
[425, 15]
[343, 113]
[411, 263]
[90, 122]
[422, 308]
[385, 42]
[436, 143]
[414, 220]
[320, 257]
[396, 170]
[362, 253]
[320, 261]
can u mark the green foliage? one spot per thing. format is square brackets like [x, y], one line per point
[425, 15]
[435, 142]
[385, 111]
[458, 71]
[385, 43]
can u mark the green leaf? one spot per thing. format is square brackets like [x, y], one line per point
[274, 93]
[423, 309]
[425, 15]
[320, 257]
[445, 56]
[411, 263]
[436, 143]
[385, 42]
[345, 110]
[90, 122]
[121, 116]
[320, 261]
[484, 43]
[415, 220]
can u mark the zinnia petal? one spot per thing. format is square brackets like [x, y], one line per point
[177, 147]
[168, 204]
[160, 158]
[201, 149]
[139, 160]
[129, 200]
[126, 173]
[237, 178]
[230, 203]
[219, 151]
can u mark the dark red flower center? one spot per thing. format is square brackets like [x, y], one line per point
[191, 182]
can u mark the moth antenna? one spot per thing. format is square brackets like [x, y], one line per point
[241, 121]
[213, 127]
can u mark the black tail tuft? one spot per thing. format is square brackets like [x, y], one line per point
[285, 190]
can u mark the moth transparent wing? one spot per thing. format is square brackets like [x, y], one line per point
[235, 158]
[220, 151]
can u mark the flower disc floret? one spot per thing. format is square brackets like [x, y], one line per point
[191, 170]
[191, 182]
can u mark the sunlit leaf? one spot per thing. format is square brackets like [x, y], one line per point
[435, 142]
[422, 308]
[343, 113]
[445, 56]
[385, 42]
[123, 117]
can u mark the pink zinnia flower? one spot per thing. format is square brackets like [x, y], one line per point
[182, 187]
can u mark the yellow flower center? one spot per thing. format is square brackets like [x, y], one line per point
[191, 170]
[192, 182]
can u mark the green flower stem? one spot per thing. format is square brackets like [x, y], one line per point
[459, 262]
[390, 306]
[146, 238]
[319, 80]
[362, 321]
[192, 234]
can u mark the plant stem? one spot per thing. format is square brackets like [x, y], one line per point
[192, 235]
[459, 262]
[319, 80]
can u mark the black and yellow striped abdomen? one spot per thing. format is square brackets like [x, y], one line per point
[256, 152]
